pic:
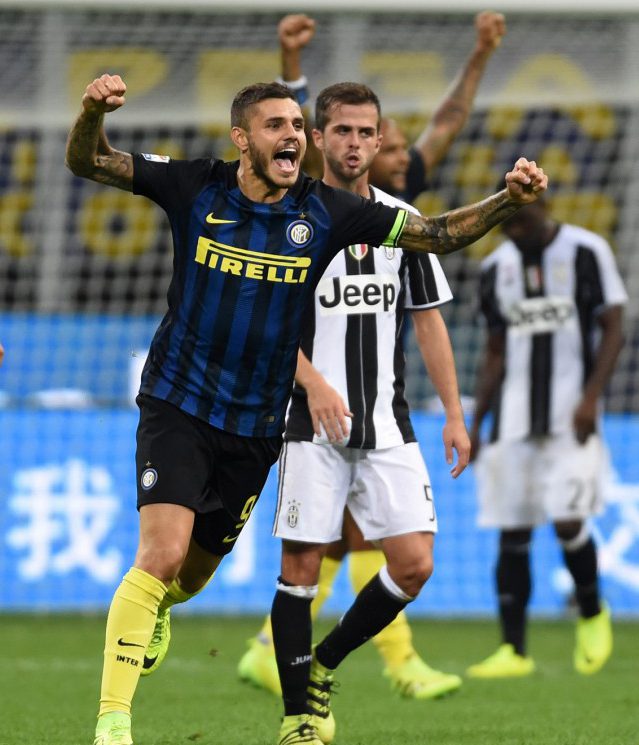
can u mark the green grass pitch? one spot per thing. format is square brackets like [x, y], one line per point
[50, 669]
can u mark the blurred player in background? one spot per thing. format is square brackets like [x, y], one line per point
[251, 241]
[552, 299]
[349, 439]
[403, 173]
[398, 169]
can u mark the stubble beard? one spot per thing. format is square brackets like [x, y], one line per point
[259, 164]
[346, 174]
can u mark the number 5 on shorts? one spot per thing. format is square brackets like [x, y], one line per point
[429, 499]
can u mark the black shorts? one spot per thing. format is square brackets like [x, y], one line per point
[183, 460]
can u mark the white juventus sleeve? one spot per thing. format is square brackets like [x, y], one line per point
[612, 287]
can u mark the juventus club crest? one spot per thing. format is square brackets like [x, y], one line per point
[292, 514]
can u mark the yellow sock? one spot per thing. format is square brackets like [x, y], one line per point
[395, 642]
[129, 628]
[328, 572]
[176, 595]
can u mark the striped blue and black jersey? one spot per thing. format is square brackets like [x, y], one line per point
[243, 274]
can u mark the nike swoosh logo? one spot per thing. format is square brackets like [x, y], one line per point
[216, 221]
[148, 662]
[122, 643]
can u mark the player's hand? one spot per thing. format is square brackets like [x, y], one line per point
[295, 31]
[584, 419]
[490, 27]
[1, 353]
[526, 181]
[104, 94]
[327, 408]
[456, 438]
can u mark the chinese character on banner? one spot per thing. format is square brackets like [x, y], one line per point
[64, 514]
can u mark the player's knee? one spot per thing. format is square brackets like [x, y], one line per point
[414, 575]
[515, 541]
[301, 567]
[163, 562]
[567, 530]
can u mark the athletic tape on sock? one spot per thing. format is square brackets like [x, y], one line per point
[392, 588]
[298, 591]
[574, 544]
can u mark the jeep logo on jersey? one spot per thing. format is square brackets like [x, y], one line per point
[360, 293]
[299, 233]
[252, 264]
[540, 315]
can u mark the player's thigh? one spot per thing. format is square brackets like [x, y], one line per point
[351, 533]
[240, 467]
[312, 489]
[572, 477]
[391, 493]
[506, 490]
[172, 455]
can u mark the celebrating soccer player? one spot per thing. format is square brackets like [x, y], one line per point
[252, 239]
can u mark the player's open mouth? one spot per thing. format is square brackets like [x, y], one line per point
[353, 161]
[285, 160]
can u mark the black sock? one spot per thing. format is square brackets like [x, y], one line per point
[292, 637]
[513, 586]
[582, 565]
[374, 608]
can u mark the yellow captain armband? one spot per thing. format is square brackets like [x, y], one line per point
[392, 238]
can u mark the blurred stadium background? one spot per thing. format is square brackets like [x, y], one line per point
[84, 268]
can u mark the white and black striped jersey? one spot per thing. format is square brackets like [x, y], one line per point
[353, 336]
[546, 303]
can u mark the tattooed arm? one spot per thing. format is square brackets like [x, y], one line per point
[454, 109]
[88, 151]
[458, 228]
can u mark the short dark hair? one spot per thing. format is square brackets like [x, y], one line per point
[252, 94]
[354, 94]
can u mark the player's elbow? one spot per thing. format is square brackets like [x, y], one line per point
[79, 167]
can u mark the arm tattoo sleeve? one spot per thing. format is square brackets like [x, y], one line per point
[90, 155]
[455, 229]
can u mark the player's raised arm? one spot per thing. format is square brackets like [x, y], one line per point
[458, 228]
[88, 151]
[454, 109]
[295, 32]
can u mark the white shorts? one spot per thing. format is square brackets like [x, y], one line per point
[530, 482]
[387, 492]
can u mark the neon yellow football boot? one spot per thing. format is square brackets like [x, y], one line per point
[113, 728]
[159, 644]
[593, 644]
[259, 667]
[504, 663]
[415, 679]
[320, 687]
[298, 729]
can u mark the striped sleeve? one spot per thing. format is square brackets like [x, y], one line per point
[425, 282]
[489, 305]
[613, 291]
